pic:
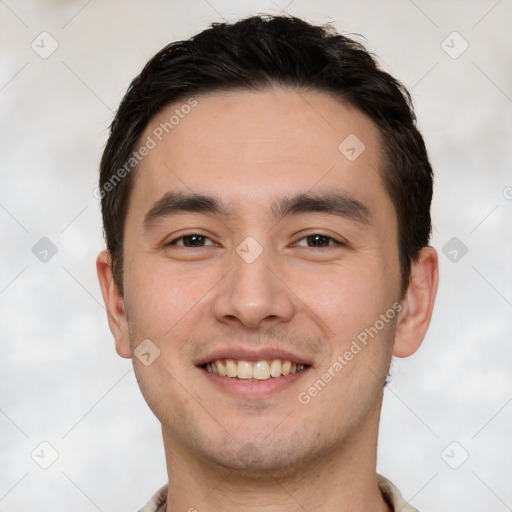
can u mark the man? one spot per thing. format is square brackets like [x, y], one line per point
[265, 198]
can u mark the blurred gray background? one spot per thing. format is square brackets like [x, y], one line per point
[445, 434]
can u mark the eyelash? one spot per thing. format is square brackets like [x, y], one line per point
[336, 242]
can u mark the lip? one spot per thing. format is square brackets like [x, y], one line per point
[251, 388]
[253, 356]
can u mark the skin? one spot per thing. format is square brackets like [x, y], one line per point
[250, 149]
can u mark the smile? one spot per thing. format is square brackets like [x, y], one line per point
[258, 370]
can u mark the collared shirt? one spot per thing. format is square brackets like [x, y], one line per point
[390, 493]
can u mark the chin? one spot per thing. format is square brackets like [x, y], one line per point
[263, 455]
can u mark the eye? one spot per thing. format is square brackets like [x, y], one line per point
[318, 240]
[192, 240]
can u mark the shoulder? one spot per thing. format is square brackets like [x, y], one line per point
[158, 502]
[392, 496]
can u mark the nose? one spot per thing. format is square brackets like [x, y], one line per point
[254, 293]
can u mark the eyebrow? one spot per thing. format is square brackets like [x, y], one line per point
[334, 203]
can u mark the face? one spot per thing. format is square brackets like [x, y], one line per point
[291, 256]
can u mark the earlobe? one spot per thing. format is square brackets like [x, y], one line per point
[418, 303]
[114, 304]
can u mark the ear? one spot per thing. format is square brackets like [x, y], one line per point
[418, 303]
[114, 304]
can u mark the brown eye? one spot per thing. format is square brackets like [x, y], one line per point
[192, 240]
[318, 240]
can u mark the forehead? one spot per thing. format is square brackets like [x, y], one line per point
[251, 147]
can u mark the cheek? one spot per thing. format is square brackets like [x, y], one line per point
[161, 299]
[346, 297]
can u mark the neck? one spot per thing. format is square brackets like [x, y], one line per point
[343, 478]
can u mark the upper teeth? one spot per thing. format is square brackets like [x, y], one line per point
[261, 370]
